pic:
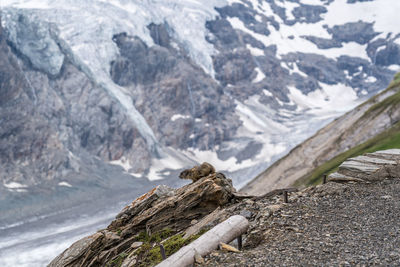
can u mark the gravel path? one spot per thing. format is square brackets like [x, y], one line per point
[328, 225]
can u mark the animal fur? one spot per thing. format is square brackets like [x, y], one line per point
[197, 172]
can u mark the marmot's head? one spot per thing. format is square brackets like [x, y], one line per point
[186, 174]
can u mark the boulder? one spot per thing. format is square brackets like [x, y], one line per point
[369, 167]
[72, 255]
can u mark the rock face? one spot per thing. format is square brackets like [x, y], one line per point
[159, 209]
[54, 139]
[371, 167]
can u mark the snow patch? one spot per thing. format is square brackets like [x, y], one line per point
[394, 67]
[123, 162]
[293, 68]
[14, 185]
[64, 184]
[136, 175]
[382, 15]
[255, 51]
[325, 100]
[371, 79]
[179, 116]
[267, 93]
[126, 165]
[289, 6]
[260, 76]
[338, 12]
[279, 101]
[258, 18]
[250, 120]
[173, 160]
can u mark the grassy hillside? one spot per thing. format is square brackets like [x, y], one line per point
[385, 140]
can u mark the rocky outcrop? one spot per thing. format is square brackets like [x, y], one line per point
[370, 167]
[161, 209]
[159, 75]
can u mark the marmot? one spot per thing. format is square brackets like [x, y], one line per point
[197, 172]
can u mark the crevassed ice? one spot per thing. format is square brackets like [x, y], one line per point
[104, 18]
[92, 47]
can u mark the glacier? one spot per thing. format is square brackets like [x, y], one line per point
[103, 19]
[91, 47]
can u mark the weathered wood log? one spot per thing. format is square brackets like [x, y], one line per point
[224, 232]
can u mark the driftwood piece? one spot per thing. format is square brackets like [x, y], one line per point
[224, 232]
[229, 248]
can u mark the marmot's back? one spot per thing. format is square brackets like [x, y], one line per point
[197, 172]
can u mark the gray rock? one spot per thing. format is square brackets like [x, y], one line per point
[308, 13]
[246, 213]
[144, 201]
[389, 55]
[198, 258]
[393, 152]
[224, 35]
[34, 39]
[160, 34]
[136, 245]
[371, 167]
[323, 43]
[359, 32]
[375, 160]
[356, 166]
[246, 15]
[77, 249]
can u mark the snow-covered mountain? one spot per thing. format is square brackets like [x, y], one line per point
[99, 98]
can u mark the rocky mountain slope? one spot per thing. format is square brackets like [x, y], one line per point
[347, 221]
[100, 98]
[350, 223]
[354, 129]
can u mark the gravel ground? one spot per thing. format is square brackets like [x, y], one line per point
[328, 225]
